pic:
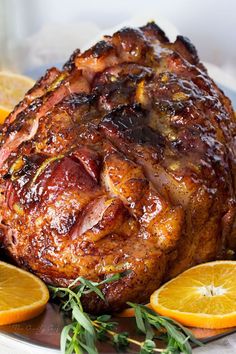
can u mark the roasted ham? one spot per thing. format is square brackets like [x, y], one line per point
[124, 160]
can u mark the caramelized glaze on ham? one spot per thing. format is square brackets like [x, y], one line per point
[125, 160]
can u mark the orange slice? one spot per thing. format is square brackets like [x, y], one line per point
[203, 296]
[22, 295]
[12, 89]
[129, 312]
[4, 112]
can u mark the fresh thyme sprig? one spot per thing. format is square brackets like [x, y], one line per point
[82, 334]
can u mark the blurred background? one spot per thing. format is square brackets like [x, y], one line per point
[35, 34]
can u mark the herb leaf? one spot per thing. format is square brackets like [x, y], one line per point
[82, 318]
[147, 347]
[120, 340]
[65, 337]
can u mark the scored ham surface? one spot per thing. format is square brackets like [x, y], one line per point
[124, 160]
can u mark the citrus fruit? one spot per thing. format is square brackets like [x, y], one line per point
[12, 89]
[129, 312]
[203, 296]
[4, 112]
[22, 295]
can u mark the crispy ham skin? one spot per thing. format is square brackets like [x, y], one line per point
[124, 160]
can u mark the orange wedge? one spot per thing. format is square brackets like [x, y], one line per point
[22, 295]
[129, 312]
[12, 89]
[203, 296]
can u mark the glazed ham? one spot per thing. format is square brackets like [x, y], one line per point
[124, 160]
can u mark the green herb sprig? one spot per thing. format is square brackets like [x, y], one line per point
[176, 336]
[82, 334]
